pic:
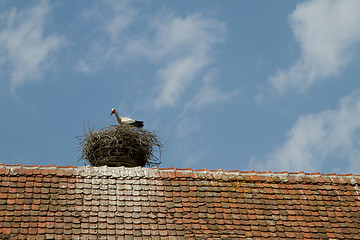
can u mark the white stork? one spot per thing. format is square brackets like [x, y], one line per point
[127, 120]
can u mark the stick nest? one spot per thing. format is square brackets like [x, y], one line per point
[120, 145]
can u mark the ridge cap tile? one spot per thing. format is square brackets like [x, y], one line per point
[31, 166]
[251, 171]
[155, 171]
[64, 167]
[49, 166]
[345, 174]
[201, 170]
[13, 166]
[171, 169]
[264, 173]
[184, 169]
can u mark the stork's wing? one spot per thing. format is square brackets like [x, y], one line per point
[127, 120]
[138, 124]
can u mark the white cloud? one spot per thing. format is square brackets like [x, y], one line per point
[114, 18]
[172, 36]
[179, 47]
[209, 93]
[124, 15]
[185, 44]
[23, 45]
[96, 57]
[316, 138]
[326, 32]
[176, 76]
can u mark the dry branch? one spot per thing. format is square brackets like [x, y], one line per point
[120, 145]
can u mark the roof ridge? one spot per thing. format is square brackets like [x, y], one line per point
[20, 166]
[182, 170]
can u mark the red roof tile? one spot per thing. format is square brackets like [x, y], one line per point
[50, 202]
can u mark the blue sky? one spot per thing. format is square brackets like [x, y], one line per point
[248, 85]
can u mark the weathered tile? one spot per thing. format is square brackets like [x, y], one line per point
[175, 203]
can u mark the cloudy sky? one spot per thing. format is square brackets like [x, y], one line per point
[248, 85]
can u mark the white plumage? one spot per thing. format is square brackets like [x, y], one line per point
[127, 120]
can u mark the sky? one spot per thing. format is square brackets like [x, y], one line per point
[234, 85]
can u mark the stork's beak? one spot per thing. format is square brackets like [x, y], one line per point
[112, 112]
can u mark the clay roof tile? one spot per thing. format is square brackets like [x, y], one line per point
[172, 203]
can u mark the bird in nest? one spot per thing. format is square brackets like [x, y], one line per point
[127, 120]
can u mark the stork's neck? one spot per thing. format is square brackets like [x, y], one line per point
[117, 117]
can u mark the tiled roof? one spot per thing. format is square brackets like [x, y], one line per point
[149, 203]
